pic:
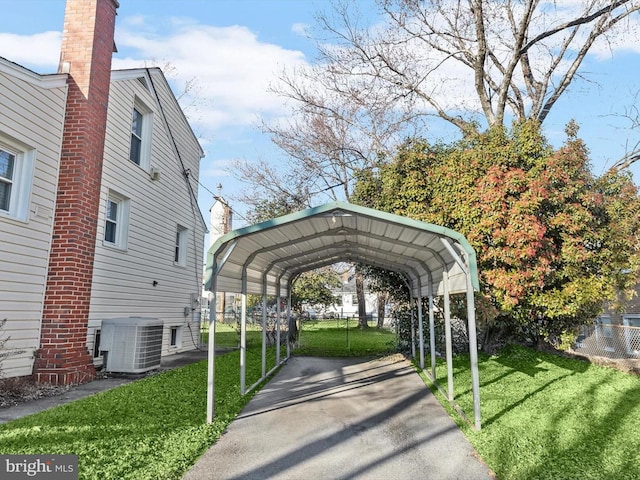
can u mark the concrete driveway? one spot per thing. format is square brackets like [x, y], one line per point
[322, 418]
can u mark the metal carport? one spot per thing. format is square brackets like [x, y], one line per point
[265, 259]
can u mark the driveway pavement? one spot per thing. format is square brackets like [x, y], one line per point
[342, 419]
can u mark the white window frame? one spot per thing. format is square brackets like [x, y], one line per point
[180, 246]
[96, 343]
[145, 134]
[121, 221]
[21, 181]
[178, 337]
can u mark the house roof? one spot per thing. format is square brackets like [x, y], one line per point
[279, 249]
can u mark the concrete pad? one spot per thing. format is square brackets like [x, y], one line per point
[322, 418]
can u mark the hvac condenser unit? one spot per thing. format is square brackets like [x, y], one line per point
[133, 344]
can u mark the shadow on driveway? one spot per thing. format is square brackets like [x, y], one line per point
[323, 418]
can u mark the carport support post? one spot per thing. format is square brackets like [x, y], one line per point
[413, 333]
[243, 340]
[473, 351]
[264, 326]
[211, 358]
[447, 335]
[278, 323]
[288, 319]
[432, 334]
[420, 332]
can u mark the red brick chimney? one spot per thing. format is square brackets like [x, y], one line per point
[87, 48]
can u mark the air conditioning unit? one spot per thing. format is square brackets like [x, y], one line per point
[132, 344]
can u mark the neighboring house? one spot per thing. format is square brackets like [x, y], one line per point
[346, 299]
[220, 223]
[615, 333]
[98, 213]
[628, 316]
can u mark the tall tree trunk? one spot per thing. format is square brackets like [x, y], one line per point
[362, 307]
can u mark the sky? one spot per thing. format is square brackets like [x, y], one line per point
[234, 49]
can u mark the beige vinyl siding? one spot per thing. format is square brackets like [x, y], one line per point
[31, 114]
[123, 279]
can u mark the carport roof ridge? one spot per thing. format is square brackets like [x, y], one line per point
[280, 248]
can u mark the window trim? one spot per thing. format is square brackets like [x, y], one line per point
[145, 134]
[22, 179]
[121, 221]
[175, 336]
[180, 246]
[96, 343]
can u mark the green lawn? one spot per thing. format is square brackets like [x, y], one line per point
[550, 417]
[544, 416]
[150, 429]
[343, 338]
[227, 335]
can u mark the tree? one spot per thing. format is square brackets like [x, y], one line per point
[521, 56]
[473, 64]
[553, 241]
[388, 285]
[314, 288]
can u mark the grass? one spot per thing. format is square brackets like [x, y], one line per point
[550, 417]
[150, 429]
[227, 335]
[343, 338]
[544, 416]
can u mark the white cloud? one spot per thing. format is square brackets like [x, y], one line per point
[216, 168]
[301, 29]
[231, 67]
[40, 51]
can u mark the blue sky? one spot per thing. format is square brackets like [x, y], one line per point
[235, 48]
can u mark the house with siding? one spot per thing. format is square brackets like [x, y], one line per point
[32, 111]
[98, 208]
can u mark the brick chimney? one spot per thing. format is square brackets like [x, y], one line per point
[87, 48]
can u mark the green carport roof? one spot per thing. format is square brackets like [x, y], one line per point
[279, 249]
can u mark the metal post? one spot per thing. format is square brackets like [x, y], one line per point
[243, 341]
[289, 320]
[413, 328]
[278, 323]
[420, 331]
[432, 333]
[473, 352]
[264, 327]
[447, 335]
[211, 362]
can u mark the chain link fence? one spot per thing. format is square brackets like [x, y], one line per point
[228, 330]
[616, 345]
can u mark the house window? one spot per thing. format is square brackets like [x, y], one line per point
[116, 220]
[180, 250]
[7, 164]
[176, 337]
[140, 149]
[96, 344]
[16, 171]
[136, 137]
